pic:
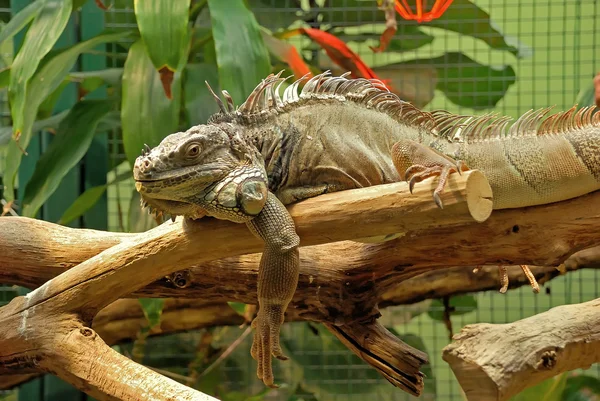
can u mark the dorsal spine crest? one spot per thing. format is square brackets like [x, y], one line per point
[265, 101]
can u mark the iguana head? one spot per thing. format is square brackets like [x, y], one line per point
[208, 169]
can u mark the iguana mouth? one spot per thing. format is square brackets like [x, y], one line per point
[173, 208]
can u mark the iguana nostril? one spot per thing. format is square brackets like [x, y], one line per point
[146, 163]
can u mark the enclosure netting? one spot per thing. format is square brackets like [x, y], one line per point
[556, 58]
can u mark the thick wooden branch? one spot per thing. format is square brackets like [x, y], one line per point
[493, 362]
[338, 291]
[124, 318]
[82, 291]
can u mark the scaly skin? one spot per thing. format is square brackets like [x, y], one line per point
[247, 163]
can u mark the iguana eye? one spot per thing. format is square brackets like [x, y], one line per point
[192, 150]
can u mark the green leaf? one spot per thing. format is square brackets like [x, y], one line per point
[461, 305]
[242, 58]
[466, 82]
[152, 308]
[238, 307]
[586, 96]
[82, 204]
[70, 144]
[199, 103]
[47, 123]
[19, 21]
[4, 78]
[163, 25]
[147, 116]
[548, 390]
[43, 83]
[581, 388]
[407, 38]
[43, 33]
[464, 17]
[87, 79]
[46, 108]
[88, 199]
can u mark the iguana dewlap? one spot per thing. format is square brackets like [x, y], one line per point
[335, 134]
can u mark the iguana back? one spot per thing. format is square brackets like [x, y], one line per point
[333, 137]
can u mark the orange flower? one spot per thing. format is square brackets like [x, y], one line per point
[405, 10]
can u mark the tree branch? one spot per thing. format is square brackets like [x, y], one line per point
[78, 294]
[338, 292]
[493, 362]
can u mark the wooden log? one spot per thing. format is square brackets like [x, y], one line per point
[493, 362]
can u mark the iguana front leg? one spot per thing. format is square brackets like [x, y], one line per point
[416, 162]
[277, 280]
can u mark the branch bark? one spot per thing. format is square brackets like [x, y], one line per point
[340, 294]
[493, 362]
[78, 294]
[123, 319]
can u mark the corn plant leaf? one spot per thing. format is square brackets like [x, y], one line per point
[88, 199]
[147, 116]
[152, 308]
[82, 204]
[199, 103]
[47, 123]
[242, 58]
[4, 77]
[19, 21]
[70, 144]
[43, 83]
[41, 36]
[163, 25]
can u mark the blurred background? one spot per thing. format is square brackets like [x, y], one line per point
[111, 84]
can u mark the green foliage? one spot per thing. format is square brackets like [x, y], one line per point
[20, 21]
[567, 386]
[586, 96]
[147, 115]
[548, 390]
[199, 103]
[459, 305]
[234, 27]
[581, 388]
[72, 141]
[48, 24]
[163, 25]
[42, 85]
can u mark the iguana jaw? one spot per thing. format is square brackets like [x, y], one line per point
[174, 208]
[238, 196]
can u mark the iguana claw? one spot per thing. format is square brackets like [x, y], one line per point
[418, 162]
[417, 173]
[266, 342]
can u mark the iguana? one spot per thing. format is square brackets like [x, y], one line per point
[335, 134]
